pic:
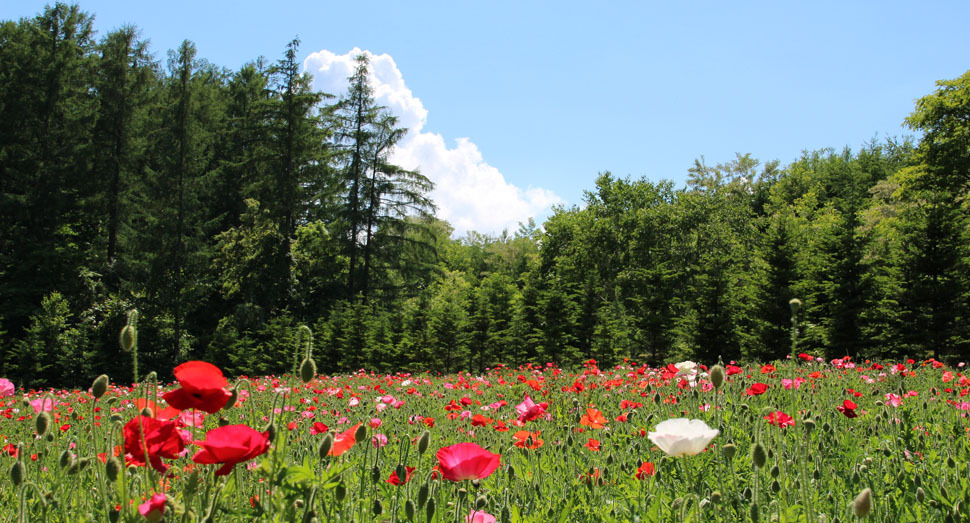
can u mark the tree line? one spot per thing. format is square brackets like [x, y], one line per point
[230, 207]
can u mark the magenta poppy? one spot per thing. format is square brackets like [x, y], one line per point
[466, 461]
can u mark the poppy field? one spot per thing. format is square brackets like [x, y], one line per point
[796, 440]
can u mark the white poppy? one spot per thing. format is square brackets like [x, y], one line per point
[682, 437]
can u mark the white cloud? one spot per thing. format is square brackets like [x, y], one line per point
[469, 193]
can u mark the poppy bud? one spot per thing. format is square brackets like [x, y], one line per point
[308, 370]
[816, 474]
[729, 450]
[65, 459]
[147, 412]
[794, 304]
[223, 421]
[755, 513]
[378, 507]
[375, 474]
[112, 468]
[746, 493]
[270, 431]
[340, 492]
[233, 397]
[511, 472]
[409, 509]
[99, 387]
[17, 473]
[326, 445]
[423, 492]
[950, 463]
[775, 471]
[506, 515]
[775, 486]
[920, 494]
[809, 424]
[716, 496]
[480, 502]
[401, 471]
[717, 376]
[429, 509]
[758, 455]
[361, 433]
[128, 338]
[114, 516]
[462, 494]
[42, 422]
[423, 442]
[862, 503]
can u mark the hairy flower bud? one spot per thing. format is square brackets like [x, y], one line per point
[128, 338]
[758, 455]
[112, 468]
[423, 492]
[729, 450]
[326, 445]
[360, 433]
[17, 473]
[340, 491]
[409, 510]
[42, 422]
[429, 509]
[423, 442]
[308, 370]
[794, 304]
[100, 386]
[717, 376]
[862, 504]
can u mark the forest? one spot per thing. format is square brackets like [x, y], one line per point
[231, 207]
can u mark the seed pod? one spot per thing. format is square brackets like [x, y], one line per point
[308, 370]
[409, 509]
[424, 441]
[112, 468]
[480, 502]
[862, 503]
[42, 422]
[717, 376]
[99, 387]
[729, 450]
[325, 445]
[340, 492]
[17, 473]
[758, 455]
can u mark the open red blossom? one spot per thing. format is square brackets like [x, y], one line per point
[318, 428]
[230, 445]
[645, 470]
[466, 461]
[344, 441]
[767, 368]
[203, 388]
[593, 444]
[158, 439]
[847, 408]
[527, 440]
[593, 419]
[806, 357]
[756, 389]
[731, 370]
[780, 419]
[394, 480]
[529, 410]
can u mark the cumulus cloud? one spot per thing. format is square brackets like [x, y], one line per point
[470, 193]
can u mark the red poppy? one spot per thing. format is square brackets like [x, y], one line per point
[466, 461]
[731, 370]
[318, 428]
[161, 440]
[767, 368]
[229, 445]
[780, 419]
[593, 419]
[646, 469]
[756, 389]
[593, 444]
[394, 480]
[479, 420]
[806, 357]
[529, 410]
[165, 414]
[527, 440]
[847, 408]
[343, 441]
[203, 387]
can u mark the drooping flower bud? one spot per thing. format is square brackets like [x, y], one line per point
[794, 304]
[423, 442]
[409, 510]
[429, 509]
[423, 492]
[42, 422]
[99, 387]
[862, 504]
[112, 468]
[480, 502]
[729, 450]
[308, 370]
[340, 491]
[17, 473]
[758, 455]
[360, 433]
[717, 376]
[326, 445]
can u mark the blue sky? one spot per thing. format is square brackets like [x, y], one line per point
[517, 105]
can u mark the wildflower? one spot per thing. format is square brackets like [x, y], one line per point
[396, 481]
[593, 444]
[682, 436]
[529, 410]
[7, 388]
[378, 440]
[685, 367]
[780, 419]
[159, 439]
[153, 509]
[527, 440]
[344, 441]
[202, 387]
[645, 469]
[230, 445]
[756, 389]
[593, 419]
[466, 461]
[318, 428]
[479, 516]
[847, 408]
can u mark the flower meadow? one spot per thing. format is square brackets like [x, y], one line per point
[795, 440]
